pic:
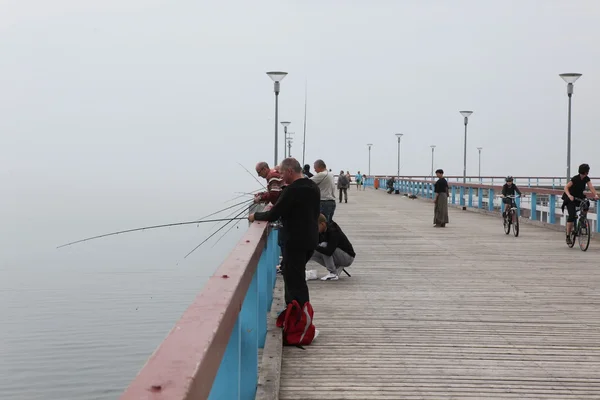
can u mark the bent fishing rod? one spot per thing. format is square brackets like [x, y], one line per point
[255, 178]
[198, 221]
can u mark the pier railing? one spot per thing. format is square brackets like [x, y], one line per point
[212, 351]
[548, 182]
[537, 204]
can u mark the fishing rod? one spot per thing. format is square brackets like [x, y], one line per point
[304, 138]
[255, 178]
[242, 194]
[203, 219]
[250, 209]
[150, 227]
[214, 233]
[235, 211]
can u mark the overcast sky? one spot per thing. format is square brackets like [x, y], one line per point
[145, 107]
[116, 114]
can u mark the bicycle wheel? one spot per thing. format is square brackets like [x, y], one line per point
[572, 236]
[506, 224]
[584, 234]
[515, 224]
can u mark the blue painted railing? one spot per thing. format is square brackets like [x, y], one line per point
[542, 203]
[212, 352]
[238, 373]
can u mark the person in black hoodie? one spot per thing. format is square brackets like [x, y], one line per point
[299, 209]
[335, 251]
[306, 171]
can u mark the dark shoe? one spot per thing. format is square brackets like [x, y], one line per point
[443, 225]
[346, 201]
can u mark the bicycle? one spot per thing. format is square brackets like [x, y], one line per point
[581, 229]
[511, 218]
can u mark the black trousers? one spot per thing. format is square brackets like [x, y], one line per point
[294, 275]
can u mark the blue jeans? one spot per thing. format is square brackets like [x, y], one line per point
[327, 209]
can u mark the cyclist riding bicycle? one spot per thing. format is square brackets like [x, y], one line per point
[509, 189]
[574, 190]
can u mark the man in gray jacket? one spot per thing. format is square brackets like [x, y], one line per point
[326, 184]
[343, 184]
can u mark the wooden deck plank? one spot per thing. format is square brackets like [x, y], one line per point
[463, 312]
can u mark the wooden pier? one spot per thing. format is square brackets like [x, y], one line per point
[462, 312]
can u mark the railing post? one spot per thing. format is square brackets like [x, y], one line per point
[264, 287]
[462, 196]
[552, 183]
[227, 382]
[249, 316]
[480, 195]
[518, 203]
[470, 197]
[533, 215]
[552, 209]
[528, 182]
[491, 200]
[453, 194]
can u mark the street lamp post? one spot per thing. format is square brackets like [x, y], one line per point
[370, 145]
[289, 140]
[432, 156]
[285, 124]
[399, 136]
[479, 149]
[570, 78]
[276, 76]
[465, 114]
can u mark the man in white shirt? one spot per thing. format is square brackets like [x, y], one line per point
[325, 182]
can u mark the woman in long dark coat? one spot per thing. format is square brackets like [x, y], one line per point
[440, 211]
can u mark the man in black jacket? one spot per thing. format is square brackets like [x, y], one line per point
[335, 251]
[298, 207]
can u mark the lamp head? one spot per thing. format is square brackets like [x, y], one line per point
[277, 76]
[570, 77]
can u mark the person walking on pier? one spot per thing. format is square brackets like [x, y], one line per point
[335, 251]
[575, 189]
[299, 209]
[326, 184]
[343, 183]
[440, 209]
[359, 180]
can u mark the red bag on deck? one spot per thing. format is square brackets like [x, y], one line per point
[297, 324]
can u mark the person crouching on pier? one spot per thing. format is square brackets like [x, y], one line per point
[335, 252]
[299, 208]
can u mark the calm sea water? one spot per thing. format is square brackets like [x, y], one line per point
[80, 322]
